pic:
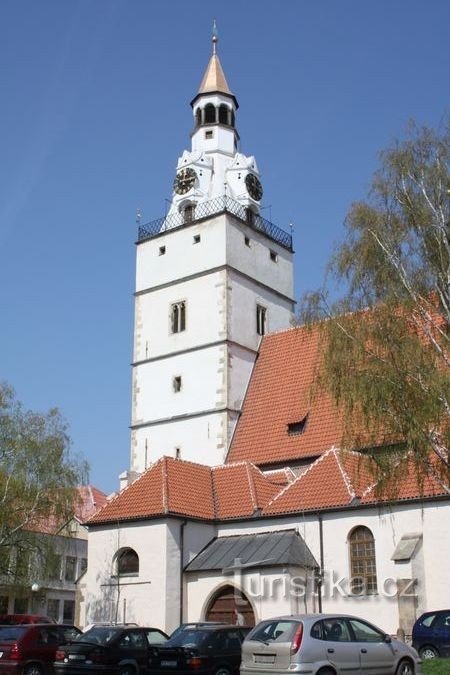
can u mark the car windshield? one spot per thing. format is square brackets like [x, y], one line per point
[188, 638]
[101, 635]
[11, 633]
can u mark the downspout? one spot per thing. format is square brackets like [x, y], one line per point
[321, 570]
[182, 526]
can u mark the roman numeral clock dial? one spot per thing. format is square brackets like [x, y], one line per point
[254, 187]
[184, 181]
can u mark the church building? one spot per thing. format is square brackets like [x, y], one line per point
[239, 503]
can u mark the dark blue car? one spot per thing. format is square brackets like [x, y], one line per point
[431, 634]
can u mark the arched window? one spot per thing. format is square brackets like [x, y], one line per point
[127, 562]
[223, 114]
[363, 570]
[188, 213]
[198, 116]
[232, 118]
[210, 114]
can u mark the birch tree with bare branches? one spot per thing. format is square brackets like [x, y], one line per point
[386, 341]
[38, 479]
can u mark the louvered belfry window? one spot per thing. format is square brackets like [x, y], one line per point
[363, 569]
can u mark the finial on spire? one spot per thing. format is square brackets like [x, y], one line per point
[215, 36]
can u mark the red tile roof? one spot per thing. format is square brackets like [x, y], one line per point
[341, 478]
[88, 500]
[173, 486]
[279, 394]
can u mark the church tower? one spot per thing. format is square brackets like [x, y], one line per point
[212, 277]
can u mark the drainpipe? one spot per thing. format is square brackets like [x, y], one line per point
[321, 570]
[182, 526]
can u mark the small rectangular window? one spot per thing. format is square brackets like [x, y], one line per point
[162, 250]
[261, 319]
[53, 608]
[297, 428]
[69, 611]
[196, 239]
[176, 383]
[208, 134]
[71, 568]
[178, 317]
[247, 241]
[274, 256]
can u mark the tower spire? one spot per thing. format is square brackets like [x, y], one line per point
[215, 37]
[214, 79]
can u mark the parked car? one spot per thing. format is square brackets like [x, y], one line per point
[110, 650]
[106, 623]
[197, 624]
[206, 649]
[14, 619]
[431, 634]
[325, 644]
[30, 649]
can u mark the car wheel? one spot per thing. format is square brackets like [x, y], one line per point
[405, 667]
[222, 671]
[126, 670]
[428, 652]
[326, 671]
[33, 669]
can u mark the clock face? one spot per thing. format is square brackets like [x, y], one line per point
[184, 181]
[254, 187]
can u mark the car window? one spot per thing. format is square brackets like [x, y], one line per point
[364, 632]
[48, 636]
[335, 630]
[233, 641]
[188, 638]
[12, 633]
[428, 620]
[155, 637]
[274, 631]
[68, 633]
[100, 635]
[442, 621]
[133, 640]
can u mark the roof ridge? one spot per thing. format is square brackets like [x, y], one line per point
[348, 483]
[165, 486]
[294, 482]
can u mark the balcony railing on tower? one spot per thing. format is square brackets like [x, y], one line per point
[195, 213]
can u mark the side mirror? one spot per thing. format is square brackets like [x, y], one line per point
[387, 638]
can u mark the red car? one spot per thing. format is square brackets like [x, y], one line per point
[15, 619]
[30, 649]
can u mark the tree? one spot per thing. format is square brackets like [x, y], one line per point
[38, 477]
[386, 340]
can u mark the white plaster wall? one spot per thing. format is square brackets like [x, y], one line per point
[143, 596]
[254, 260]
[240, 367]
[387, 528]
[200, 439]
[203, 385]
[182, 258]
[244, 295]
[205, 316]
[436, 552]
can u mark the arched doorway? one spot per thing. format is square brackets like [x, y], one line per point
[231, 606]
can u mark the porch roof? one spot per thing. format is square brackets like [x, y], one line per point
[242, 551]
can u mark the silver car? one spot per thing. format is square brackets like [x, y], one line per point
[324, 644]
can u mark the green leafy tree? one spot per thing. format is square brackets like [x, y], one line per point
[38, 479]
[386, 340]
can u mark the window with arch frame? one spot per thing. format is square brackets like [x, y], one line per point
[127, 562]
[363, 569]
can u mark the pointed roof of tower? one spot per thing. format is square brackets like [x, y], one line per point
[214, 79]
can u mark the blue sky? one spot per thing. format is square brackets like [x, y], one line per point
[95, 111]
